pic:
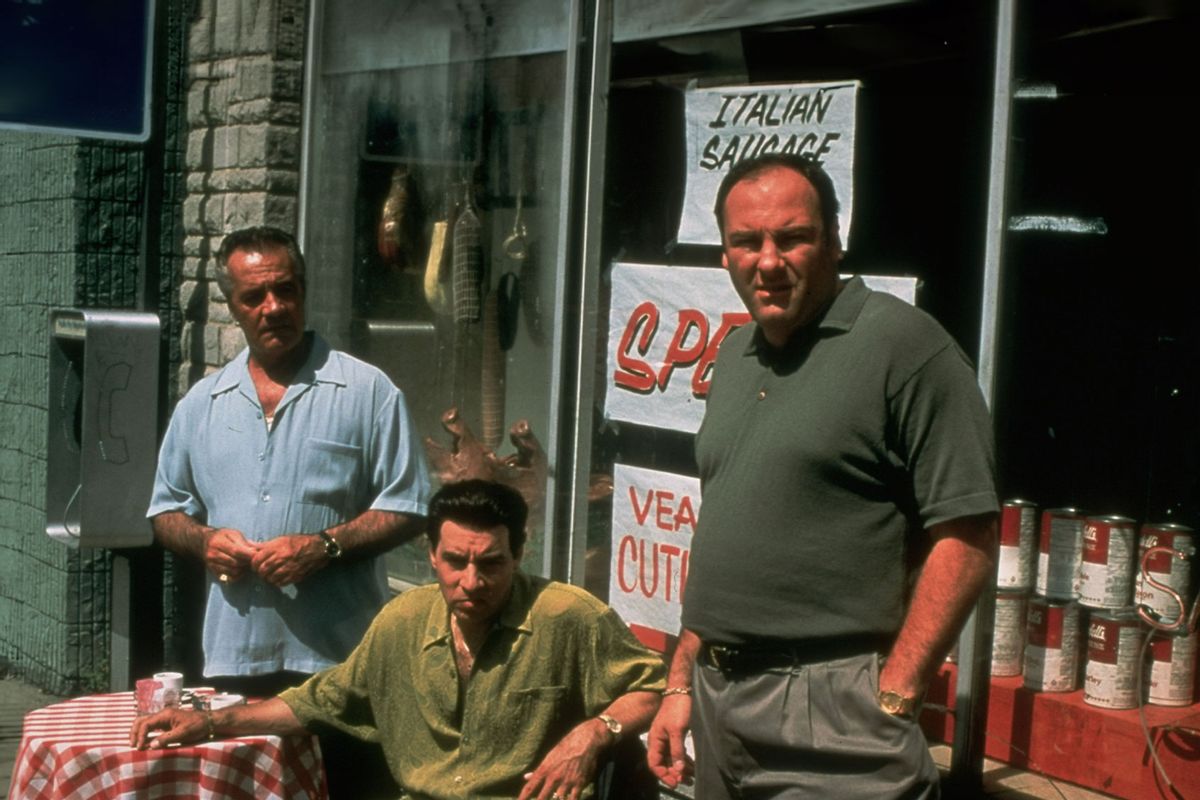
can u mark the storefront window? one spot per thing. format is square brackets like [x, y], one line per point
[442, 249]
[432, 225]
[919, 138]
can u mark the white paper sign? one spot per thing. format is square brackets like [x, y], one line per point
[654, 517]
[727, 124]
[665, 326]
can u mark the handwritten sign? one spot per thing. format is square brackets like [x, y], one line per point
[730, 123]
[654, 517]
[665, 327]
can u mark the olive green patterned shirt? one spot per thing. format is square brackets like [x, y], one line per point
[556, 657]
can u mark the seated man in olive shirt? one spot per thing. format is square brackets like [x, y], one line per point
[490, 683]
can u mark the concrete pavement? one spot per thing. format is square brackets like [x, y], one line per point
[16, 700]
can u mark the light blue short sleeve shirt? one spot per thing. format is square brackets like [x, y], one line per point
[342, 443]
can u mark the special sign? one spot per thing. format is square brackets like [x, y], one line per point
[730, 123]
[665, 327]
[654, 517]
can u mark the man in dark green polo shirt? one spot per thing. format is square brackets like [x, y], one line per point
[488, 684]
[846, 450]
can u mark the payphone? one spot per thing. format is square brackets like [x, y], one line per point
[103, 426]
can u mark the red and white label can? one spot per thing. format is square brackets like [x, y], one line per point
[1165, 568]
[1018, 541]
[1052, 645]
[1107, 562]
[1110, 677]
[1060, 547]
[1171, 669]
[1008, 637]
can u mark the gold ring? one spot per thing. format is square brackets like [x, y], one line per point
[223, 578]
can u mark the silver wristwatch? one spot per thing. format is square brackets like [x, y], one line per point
[332, 548]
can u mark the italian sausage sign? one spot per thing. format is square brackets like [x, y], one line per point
[727, 124]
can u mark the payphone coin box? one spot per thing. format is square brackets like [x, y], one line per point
[103, 427]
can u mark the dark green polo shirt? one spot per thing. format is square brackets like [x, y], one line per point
[822, 462]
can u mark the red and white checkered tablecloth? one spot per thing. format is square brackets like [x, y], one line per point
[79, 750]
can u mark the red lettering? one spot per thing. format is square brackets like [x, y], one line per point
[640, 513]
[634, 373]
[642, 568]
[664, 511]
[626, 587]
[633, 564]
[679, 356]
[686, 515]
[701, 380]
[670, 551]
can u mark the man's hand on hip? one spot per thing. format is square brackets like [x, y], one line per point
[285, 560]
[228, 554]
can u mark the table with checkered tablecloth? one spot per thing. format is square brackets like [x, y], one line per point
[79, 750]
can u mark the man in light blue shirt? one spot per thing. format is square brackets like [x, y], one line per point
[289, 472]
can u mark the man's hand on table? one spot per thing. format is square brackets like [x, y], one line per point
[179, 725]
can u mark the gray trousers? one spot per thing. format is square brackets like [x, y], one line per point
[810, 731]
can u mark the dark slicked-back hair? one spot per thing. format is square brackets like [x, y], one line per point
[479, 505]
[816, 175]
[257, 240]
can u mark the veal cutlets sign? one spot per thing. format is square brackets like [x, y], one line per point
[730, 123]
[654, 517]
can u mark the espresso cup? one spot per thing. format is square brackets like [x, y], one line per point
[172, 688]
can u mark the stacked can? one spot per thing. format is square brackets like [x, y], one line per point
[1052, 645]
[1165, 568]
[1008, 633]
[1060, 548]
[1171, 663]
[1114, 644]
[1107, 562]
[1018, 540]
[1014, 580]
[1171, 669]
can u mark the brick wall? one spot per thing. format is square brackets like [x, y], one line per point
[53, 600]
[243, 144]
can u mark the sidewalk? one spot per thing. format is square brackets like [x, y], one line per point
[16, 699]
[1008, 783]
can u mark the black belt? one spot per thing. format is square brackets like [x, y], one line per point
[760, 656]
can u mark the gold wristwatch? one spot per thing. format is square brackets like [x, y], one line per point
[614, 727]
[897, 704]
